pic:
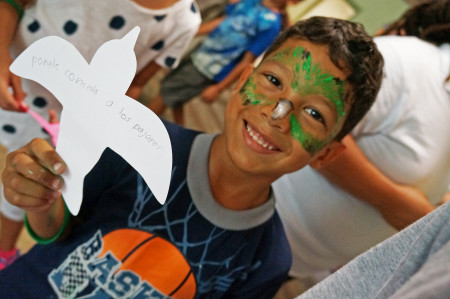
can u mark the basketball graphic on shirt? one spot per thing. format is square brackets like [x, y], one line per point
[153, 259]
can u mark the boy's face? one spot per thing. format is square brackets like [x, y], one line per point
[309, 90]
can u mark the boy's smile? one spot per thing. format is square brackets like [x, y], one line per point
[310, 88]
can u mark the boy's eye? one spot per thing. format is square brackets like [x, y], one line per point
[274, 80]
[315, 114]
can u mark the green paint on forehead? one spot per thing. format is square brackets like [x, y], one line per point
[309, 79]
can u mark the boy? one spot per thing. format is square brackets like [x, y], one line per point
[218, 234]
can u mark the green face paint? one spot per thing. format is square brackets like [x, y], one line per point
[250, 96]
[310, 143]
[308, 80]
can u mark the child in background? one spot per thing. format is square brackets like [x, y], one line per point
[233, 41]
[218, 235]
[167, 27]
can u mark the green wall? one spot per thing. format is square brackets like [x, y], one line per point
[374, 14]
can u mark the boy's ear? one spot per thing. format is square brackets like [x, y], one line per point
[329, 154]
[248, 70]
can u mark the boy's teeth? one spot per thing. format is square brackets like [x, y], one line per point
[258, 138]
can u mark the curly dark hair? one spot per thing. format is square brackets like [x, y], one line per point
[429, 20]
[350, 49]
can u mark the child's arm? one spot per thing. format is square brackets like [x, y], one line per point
[211, 93]
[207, 27]
[141, 79]
[32, 181]
[400, 205]
[9, 18]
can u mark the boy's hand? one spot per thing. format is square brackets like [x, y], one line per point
[9, 101]
[31, 177]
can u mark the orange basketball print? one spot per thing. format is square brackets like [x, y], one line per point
[154, 259]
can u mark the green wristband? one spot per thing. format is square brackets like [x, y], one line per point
[42, 241]
[16, 6]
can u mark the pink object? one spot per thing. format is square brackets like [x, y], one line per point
[51, 128]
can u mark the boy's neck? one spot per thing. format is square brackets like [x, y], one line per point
[231, 187]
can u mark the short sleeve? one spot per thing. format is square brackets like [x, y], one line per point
[185, 28]
[269, 26]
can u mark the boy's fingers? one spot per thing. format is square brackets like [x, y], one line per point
[28, 182]
[25, 170]
[32, 175]
[46, 155]
[28, 194]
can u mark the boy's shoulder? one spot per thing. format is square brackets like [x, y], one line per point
[179, 133]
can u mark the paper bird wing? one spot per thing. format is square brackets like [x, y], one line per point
[45, 61]
[144, 143]
[119, 71]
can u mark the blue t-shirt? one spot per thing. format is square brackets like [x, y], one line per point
[126, 245]
[248, 26]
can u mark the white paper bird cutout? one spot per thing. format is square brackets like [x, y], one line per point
[96, 112]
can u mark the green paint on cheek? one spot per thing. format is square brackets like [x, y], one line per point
[311, 144]
[250, 96]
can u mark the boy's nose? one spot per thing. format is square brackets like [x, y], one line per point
[282, 108]
[278, 114]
